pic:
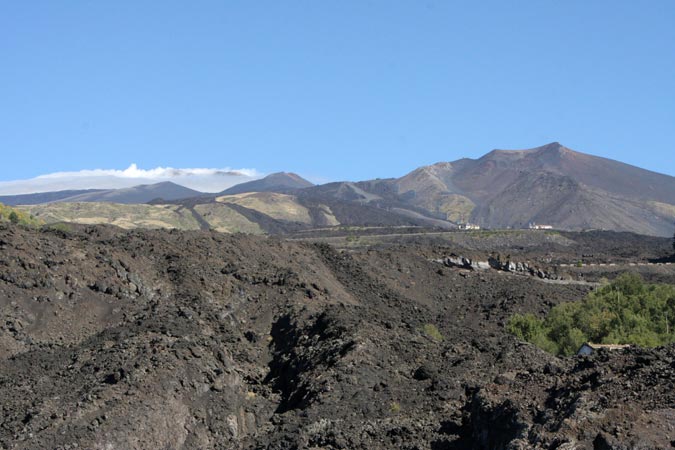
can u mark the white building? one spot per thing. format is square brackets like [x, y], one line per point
[534, 226]
[588, 347]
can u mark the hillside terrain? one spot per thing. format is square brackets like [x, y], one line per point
[121, 215]
[43, 197]
[505, 189]
[512, 188]
[17, 216]
[254, 212]
[197, 339]
[133, 195]
[281, 182]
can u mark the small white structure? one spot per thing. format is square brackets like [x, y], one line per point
[588, 347]
[534, 226]
[468, 226]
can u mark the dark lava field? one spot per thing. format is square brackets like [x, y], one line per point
[114, 339]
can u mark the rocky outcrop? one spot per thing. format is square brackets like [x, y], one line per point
[522, 268]
[612, 400]
[181, 340]
[463, 263]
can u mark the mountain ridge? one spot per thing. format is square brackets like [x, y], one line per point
[43, 197]
[551, 184]
[142, 193]
[511, 188]
[280, 182]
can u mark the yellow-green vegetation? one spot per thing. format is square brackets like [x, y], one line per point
[59, 226]
[395, 407]
[226, 220]
[278, 206]
[124, 216]
[626, 311]
[456, 208]
[431, 331]
[328, 216]
[17, 216]
[663, 209]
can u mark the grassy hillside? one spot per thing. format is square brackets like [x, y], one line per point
[663, 209]
[278, 206]
[456, 208]
[219, 216]
[16, 215]
[124, 216]
[226, 220]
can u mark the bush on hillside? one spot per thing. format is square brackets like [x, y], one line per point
[627, 311]
[16, 216]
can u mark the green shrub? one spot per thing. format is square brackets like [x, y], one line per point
[525, 327]
[59, 226]
[17, 216]
[432, 332]
[531, 329]
[626, 311]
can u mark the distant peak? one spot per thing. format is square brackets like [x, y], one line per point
[553, 146]
[274, 182]
[159, 185]
[548, 149]
[287, 176]
[283, 174]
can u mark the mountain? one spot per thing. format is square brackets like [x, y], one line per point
[281, 182]
[43, 197]
[486, 176]
[252, 212]
[138, 194]
[551, 184]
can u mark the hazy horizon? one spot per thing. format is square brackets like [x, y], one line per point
[208, 180]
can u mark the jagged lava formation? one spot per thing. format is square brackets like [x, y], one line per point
[179, 340]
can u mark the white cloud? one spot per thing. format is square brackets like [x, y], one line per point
[205, 180]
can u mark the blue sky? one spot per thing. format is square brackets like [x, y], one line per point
[330, 89]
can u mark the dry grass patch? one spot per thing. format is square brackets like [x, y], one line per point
[226, 220]
[278, 206]
[121, 215]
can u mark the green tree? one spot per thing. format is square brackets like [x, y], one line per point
[13, 217]
[525, 326]
[627, 311]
